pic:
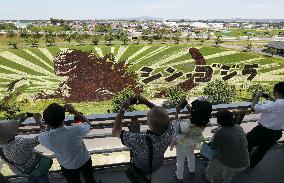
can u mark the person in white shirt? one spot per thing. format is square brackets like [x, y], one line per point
[271, 123]
[188, 133]
[67, 143]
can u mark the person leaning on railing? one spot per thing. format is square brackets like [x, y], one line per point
[230, 143]
[271, 123]
[67, 143]
[148, 148]
[188, 133]
[19, 153]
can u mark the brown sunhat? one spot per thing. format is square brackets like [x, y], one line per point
[8, 130]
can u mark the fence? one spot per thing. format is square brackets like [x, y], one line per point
[133, 120]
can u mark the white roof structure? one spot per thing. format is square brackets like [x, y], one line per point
[199, 25]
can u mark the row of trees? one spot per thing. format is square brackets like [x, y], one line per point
[33, 38]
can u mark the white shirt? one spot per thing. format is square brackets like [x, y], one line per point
[67, 144]
[272, 114]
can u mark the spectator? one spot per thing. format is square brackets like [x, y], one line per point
[231, 144]
[188, 133]
[147, 148]
[271, 123]
[19, 152]
[67, 143]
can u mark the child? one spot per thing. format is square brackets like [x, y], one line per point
[67, 143]
[19, 153]
[189, 133]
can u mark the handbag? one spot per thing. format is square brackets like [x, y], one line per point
[43, 167]
[136, 175]
[39, 170]
[207, 151]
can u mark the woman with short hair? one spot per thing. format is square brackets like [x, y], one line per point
[231, 144]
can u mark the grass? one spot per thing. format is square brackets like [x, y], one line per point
[31, 59]
[102, 107]
[232, 59]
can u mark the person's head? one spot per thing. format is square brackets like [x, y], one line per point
[225, 118]
[200, 112]
[278, 90]
[54, 115]
[158, 120]
[8, 130]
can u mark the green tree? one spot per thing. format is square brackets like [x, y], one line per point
[176, 37]
[96, 39]
[248, 46]
[219, 92]
[218, 40]
[12, 39]
[147, 36]
[69, 37]
[188, 37]
[109, 38]
[122, 36]
[50, 38]
[34, 39]
[272, 51]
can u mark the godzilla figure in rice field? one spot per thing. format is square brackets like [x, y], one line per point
[90, 78]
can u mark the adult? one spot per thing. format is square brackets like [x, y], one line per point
[148, 148]
[19, 153]
[271, 123]
[231, 144]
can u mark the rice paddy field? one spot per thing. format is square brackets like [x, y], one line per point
[37, 67]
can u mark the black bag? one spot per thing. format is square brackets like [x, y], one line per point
[136, 175]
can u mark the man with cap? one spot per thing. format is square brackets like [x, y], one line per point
[19, 153]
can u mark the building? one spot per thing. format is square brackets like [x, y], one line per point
[278, 45]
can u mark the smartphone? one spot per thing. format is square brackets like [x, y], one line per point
[133, 101]
[183, 104]
[30, 115]
[266, 96]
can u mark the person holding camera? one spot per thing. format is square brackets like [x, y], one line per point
[67, 143]
[230, 143]
[148, 148]
[188, 133]
[271, 123]
[19, 153]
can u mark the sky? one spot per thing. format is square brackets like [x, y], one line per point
[168, 9]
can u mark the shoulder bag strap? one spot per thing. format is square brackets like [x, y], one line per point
[3, 157]
[150, 145]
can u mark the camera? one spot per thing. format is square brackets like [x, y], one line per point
[266, 96]
[133, 101]
[183, 103]
[29, 115]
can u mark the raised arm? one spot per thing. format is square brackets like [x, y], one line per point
[72, 110]
[38, 120]
[183, 103]
[144, 101]
[256, 99]
[117, 128]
